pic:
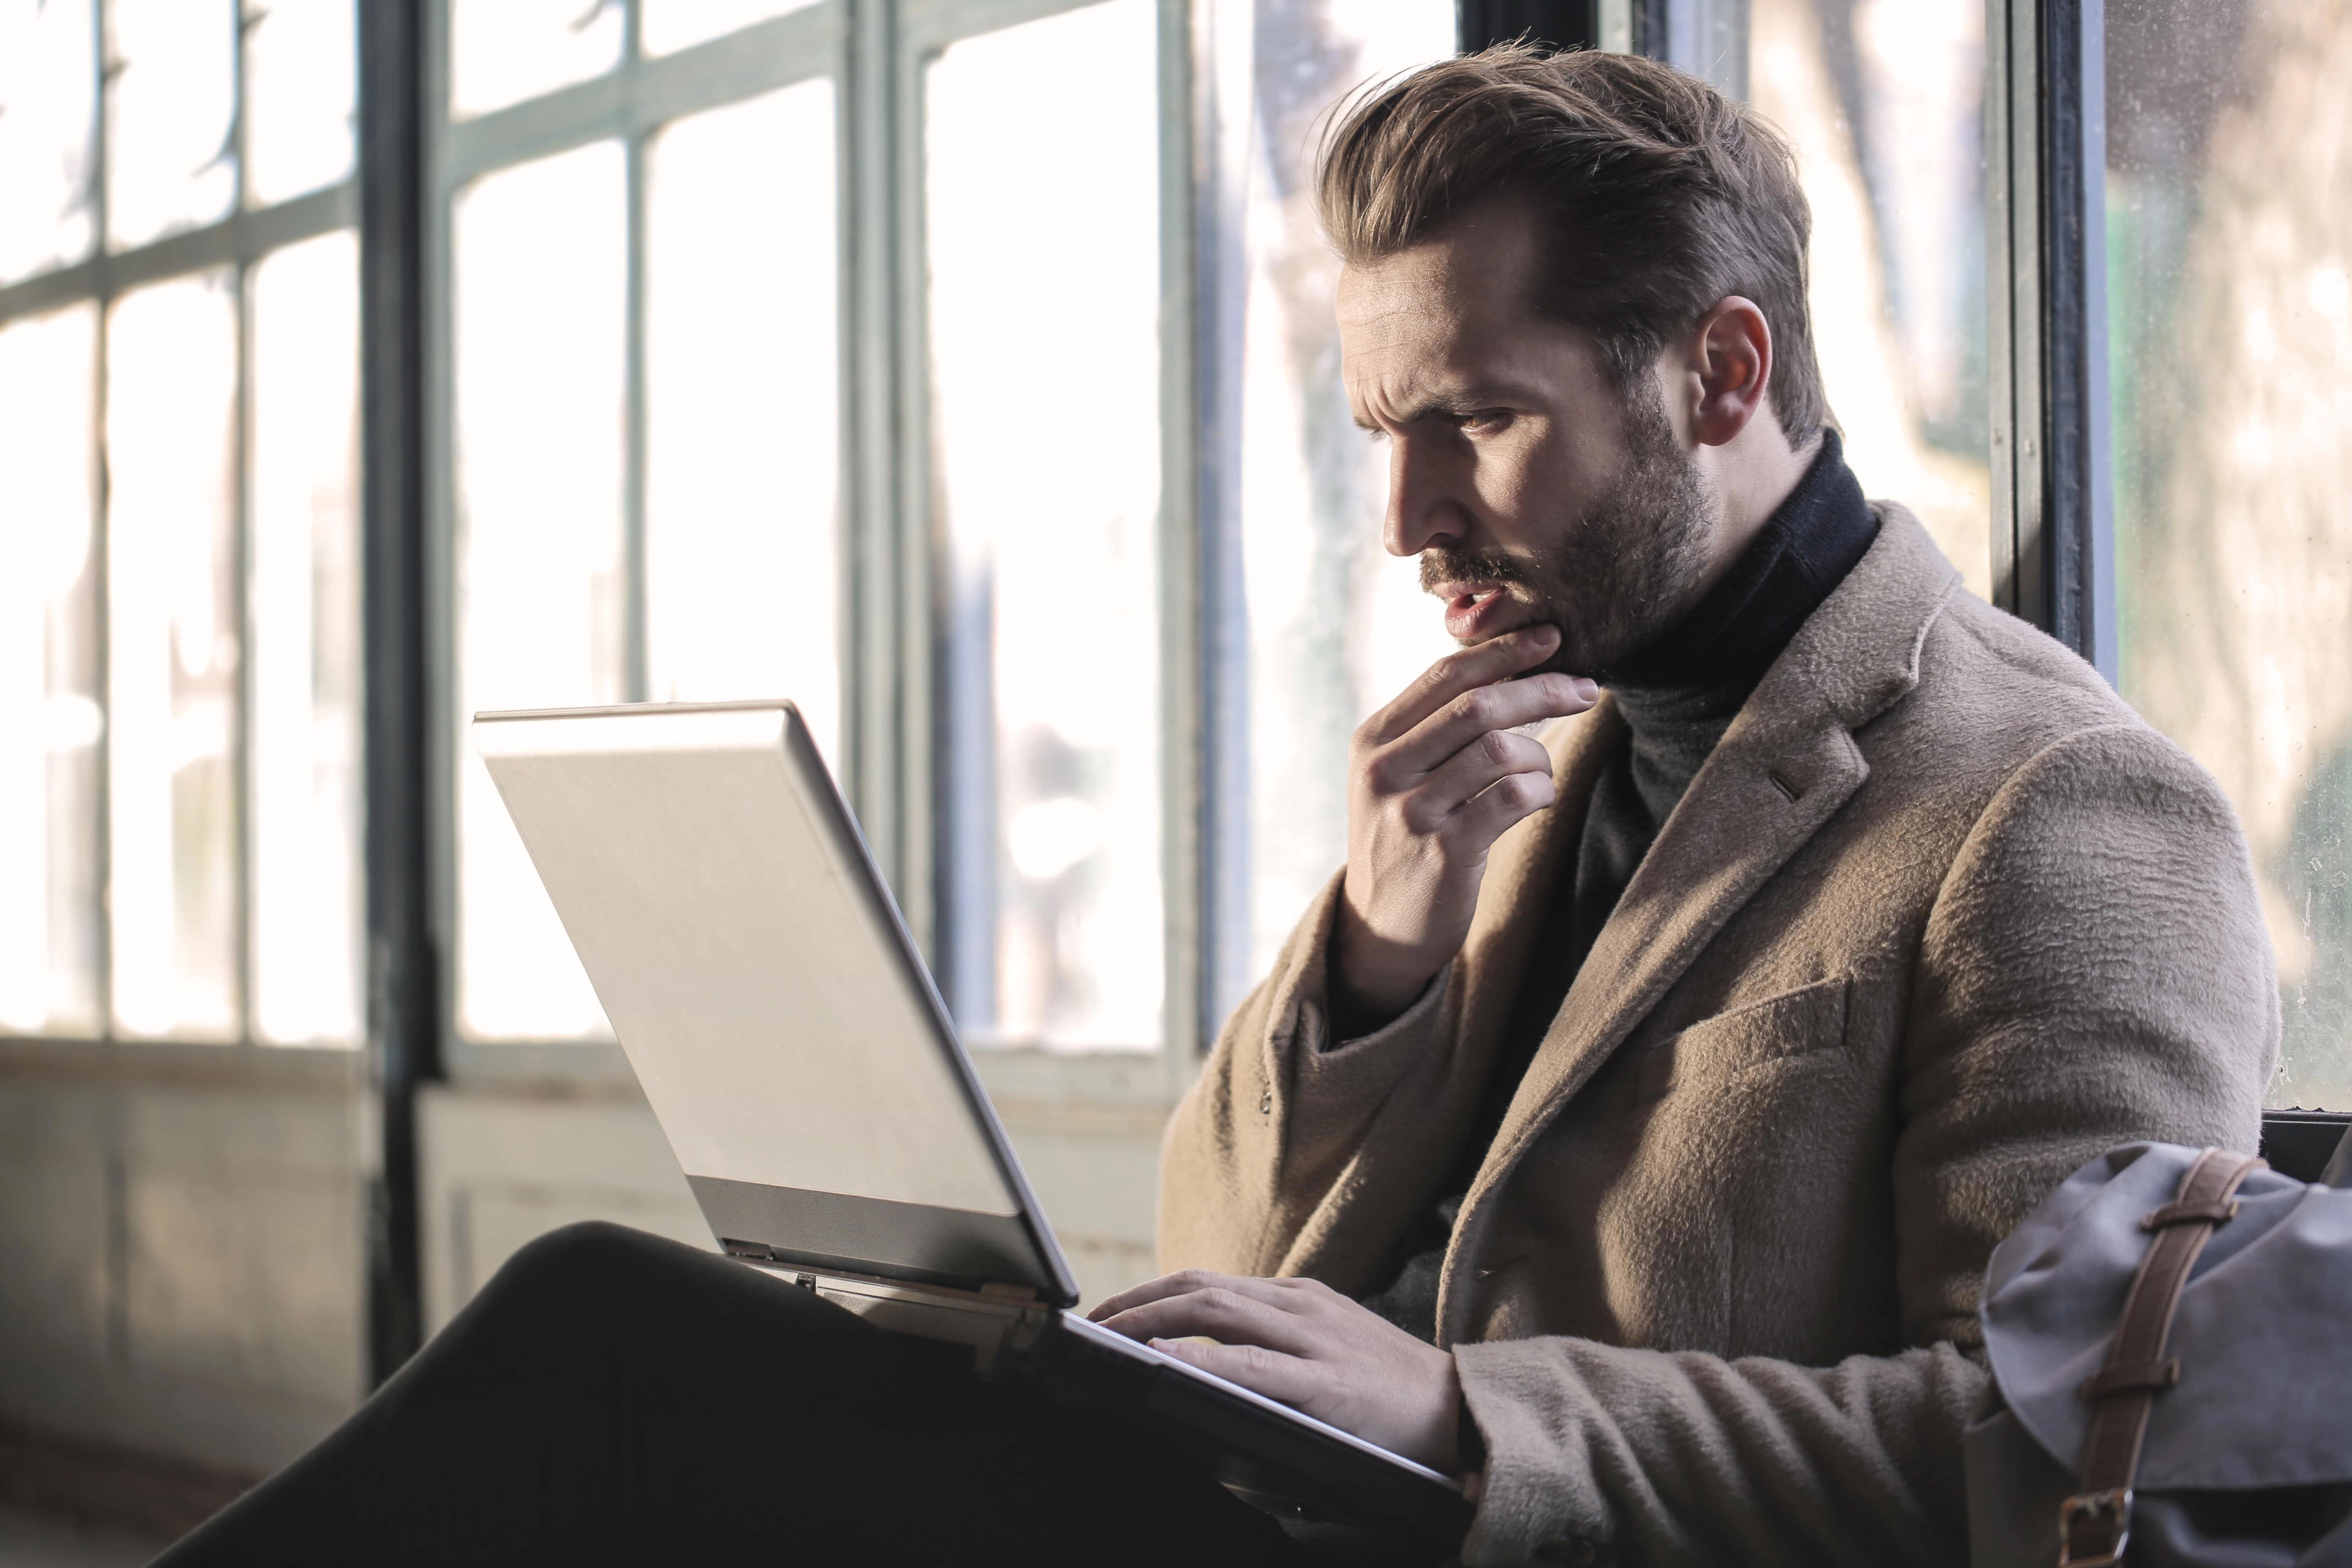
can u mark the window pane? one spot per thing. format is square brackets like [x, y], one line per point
[172, 662]
[674, 24]
[503, 51]
[299, 97]
[540, 258]
[49, 715]
[1883, 101]
[169, 161]
[2230, 276]
[48, 87]
[1336, 626]
[304, 611]
[1044, 365]
[741, 569]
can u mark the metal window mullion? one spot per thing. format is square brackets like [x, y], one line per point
[401, 754]
[635, 651]
[916, 609]
[872, 559]
[1223, 107]
[1184, 608]
[2045, 162]
[241, 616]
[102, 534]
[241, 548]
[2077, 482]
[641, 95]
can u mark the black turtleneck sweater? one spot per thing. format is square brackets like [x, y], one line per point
[1678, 698]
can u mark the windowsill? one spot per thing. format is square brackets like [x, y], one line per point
[308, 1069]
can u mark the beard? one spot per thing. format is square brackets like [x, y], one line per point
[1620, 573]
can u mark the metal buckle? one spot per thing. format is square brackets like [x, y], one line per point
[2108, 1519]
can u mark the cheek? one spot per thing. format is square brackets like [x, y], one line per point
[1530, 481]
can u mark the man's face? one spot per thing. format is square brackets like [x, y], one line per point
[1532, 487]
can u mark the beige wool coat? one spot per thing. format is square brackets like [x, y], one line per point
[1940, 918]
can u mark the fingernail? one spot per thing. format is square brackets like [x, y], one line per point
[1587, 689]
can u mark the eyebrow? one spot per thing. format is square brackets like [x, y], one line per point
[1469, 400]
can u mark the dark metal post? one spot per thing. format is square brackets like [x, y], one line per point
[2078, 527]
[402, 995]
[1563, 23]
[2054, 555]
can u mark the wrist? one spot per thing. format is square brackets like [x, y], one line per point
[1368, 984]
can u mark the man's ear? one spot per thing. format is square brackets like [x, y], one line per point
[1732, 345]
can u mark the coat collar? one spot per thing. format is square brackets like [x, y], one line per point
[1786, 765]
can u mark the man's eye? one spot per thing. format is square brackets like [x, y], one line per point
[1485, 422]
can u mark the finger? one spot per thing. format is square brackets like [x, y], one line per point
[1218, 1314]
[1503, 803]
[1503, 705]
[1183, 1282]
[1461, 671]
[1256, 1368]
[1496, 754]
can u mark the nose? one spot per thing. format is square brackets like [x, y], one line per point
[1423, 508]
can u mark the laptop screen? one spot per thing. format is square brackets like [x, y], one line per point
[761, 985]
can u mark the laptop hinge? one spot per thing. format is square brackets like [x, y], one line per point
[1003, 1290]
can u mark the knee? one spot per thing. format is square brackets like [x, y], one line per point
[590, 1254]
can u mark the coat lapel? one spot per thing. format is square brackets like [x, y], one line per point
[1786, 765]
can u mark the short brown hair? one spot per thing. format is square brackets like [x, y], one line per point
[1659, 196]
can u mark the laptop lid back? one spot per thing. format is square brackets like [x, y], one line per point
[767, 993]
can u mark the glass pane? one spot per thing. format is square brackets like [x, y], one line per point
[1337, 626]
[303, 611]
[2230, 301]
[49, 85]
[170, 163]
[742, 576]
[540, 279]
[503, 51]
[1884, 104]
[49, 714]
[1044, 367]
[172, 658]
[299, 97]
[674, 24]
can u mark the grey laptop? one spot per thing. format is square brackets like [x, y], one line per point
[809, 1079]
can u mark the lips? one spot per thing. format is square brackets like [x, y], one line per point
[1476, 612]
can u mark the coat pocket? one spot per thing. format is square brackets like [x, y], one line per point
[1797, 1022]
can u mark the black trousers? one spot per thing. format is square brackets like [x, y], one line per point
[612, 1397]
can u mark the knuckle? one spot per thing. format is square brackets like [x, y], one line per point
[1497, 745]
[1478, 707]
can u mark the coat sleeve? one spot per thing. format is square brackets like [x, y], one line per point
[1280, 1116]
[2095, 970]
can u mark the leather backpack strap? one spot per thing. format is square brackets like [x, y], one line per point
[2095, 1524]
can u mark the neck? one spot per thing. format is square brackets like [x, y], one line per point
[1737, 628]
[1752, 474]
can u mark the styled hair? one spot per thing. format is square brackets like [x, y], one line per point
[1658, 196]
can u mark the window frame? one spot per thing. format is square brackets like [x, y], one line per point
[236, 243]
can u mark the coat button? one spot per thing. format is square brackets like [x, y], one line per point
[1265, 1103]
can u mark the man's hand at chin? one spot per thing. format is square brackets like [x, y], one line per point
[1302, 1343]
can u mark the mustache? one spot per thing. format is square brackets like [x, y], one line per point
[1442, 566]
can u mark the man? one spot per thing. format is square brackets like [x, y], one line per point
[1627, 1127]
[1662, 1087]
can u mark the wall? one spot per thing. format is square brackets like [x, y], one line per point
[181, 1248]
[505, 1162]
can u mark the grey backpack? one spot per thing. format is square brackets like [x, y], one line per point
[2171, 1336]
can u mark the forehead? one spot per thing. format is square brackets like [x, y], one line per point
[1456, 308]
[1471, 276]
